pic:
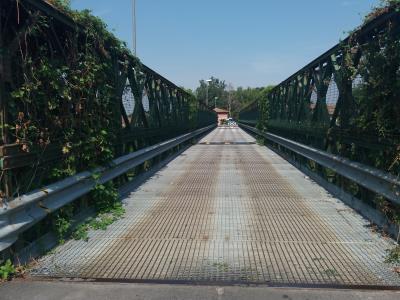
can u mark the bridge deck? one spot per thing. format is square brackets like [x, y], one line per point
[233, 213]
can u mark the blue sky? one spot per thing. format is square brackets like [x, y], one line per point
[244, 42]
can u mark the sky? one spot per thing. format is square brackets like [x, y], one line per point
[248, 43]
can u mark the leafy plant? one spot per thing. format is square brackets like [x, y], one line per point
[7, 270]
[100, 222]
[62, 222]
[393, 255]
[81, 232]
[105, 197]
[260, 141]
[62, 226]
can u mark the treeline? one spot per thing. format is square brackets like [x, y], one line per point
[222, 95]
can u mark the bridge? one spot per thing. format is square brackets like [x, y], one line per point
[124, 176]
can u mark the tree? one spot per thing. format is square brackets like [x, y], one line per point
[62, 4]
[223, 95]
[216, 90]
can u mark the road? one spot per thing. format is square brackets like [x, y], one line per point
[134, 291]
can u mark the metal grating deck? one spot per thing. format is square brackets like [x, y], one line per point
[227, 210]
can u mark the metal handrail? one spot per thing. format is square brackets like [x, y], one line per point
[378, 181]
[23, 212]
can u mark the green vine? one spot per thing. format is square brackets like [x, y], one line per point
[7, 270]
[363, 125]
[68, 101]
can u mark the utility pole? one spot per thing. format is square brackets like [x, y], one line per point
[208, 83]
[207, 95]
[230, 89]
[134, 27]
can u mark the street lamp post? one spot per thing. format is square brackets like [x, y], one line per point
[134, 27]
[230, 89]
[208, 83]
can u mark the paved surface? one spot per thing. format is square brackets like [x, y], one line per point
[230, 211]
[115, 291]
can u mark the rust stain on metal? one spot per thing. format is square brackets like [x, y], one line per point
[183, 212]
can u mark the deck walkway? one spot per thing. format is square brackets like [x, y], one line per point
[229, 210]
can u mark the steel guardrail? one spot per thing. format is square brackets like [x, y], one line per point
[380, 182]
[23, 212]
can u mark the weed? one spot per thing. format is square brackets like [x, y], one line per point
[221, 267]
[101, 222]
[7, 270]
[393, 255]
[81, 232]
[62, 226]
[260, 141]
[331, 272]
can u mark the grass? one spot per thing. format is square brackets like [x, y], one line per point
[331, 272]
[260, 141]
[100, 222]
[393, 255]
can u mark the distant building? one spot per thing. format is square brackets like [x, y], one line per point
[222, 114]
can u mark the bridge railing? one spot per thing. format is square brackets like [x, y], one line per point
[250, 114]
[346, 100]
[346, 103]
[72, 97]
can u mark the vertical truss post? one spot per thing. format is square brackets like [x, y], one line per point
[292, 100]
[3, 95]
[273, 107]
[175, 106]
[303, 113]
[155, 120]
[137, 86]
[284, 101]
[6, 184]
[345, 105]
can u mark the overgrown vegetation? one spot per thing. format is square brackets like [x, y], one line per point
[377, 109]
[73, 99]
[66, 99]
[105, 199]
[365, 126]
[393, 255]
[63, 92]
[362, 122]
[7, 270]
[383, 7]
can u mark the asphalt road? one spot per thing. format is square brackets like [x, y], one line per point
[42, 290]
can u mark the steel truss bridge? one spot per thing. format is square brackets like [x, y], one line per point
[288, 198]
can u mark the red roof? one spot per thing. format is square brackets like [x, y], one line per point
[220, 111]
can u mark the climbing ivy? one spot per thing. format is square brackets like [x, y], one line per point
[65, 98]
[69, 102]
[364, 125]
